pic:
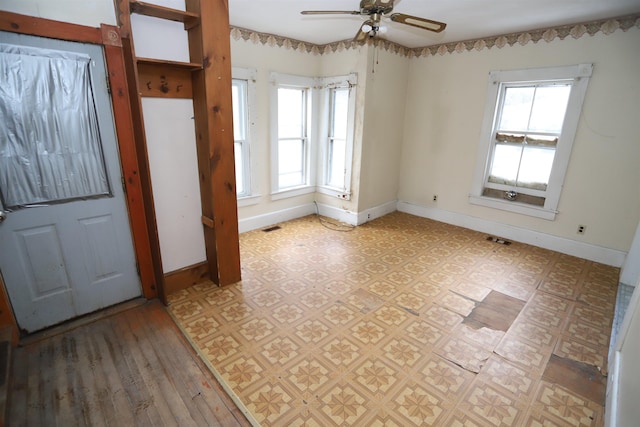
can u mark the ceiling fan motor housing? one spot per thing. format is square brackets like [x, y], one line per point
[381, 7]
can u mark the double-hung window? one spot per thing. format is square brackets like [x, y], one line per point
[292, 107]
[528, 131]
[242, 88]
[339, 108]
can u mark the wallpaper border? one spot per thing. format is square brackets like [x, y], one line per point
[575, 31]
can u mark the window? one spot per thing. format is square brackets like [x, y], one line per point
[530, 122]
[292, 136]
[291, 127]
[312, 133]
[337, 138]
[339, 107]
[242, 88]
[49, 138]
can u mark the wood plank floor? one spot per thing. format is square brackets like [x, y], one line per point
[132, 368]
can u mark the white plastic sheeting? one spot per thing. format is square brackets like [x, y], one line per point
[50, 148]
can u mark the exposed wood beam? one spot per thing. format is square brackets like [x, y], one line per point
[209, 45]
[149, 274]
[24, 24]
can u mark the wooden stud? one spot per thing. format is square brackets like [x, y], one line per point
[128, 158]
[143, 164]
[209, 44]
[23, 24]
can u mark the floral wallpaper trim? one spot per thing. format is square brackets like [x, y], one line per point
[576, 31]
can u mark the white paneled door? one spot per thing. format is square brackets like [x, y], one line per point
[65, 242]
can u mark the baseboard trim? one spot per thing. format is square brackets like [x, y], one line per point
[377, 211]
[587, 251]
[338, 214]
[185, 277]
[271, 218]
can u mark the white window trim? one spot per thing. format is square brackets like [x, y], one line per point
[288, 80]
[580, 74]
[251, 163]
[326, 83]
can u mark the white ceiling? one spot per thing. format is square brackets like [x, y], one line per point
[466, 19]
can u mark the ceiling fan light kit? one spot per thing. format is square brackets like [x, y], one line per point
[376, 10]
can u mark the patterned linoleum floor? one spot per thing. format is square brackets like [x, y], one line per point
[406, 321]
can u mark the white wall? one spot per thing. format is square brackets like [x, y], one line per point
[630, 271]
[383, 127]
[90, 13]
[445, 107]
[173, 166]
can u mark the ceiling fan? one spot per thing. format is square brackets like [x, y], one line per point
[376, 9]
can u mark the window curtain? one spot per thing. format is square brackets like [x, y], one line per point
[50, 148]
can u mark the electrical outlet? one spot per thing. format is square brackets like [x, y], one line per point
[368, 216]
[581, 229]
[435, 197]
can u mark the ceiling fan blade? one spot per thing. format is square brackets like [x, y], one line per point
[330, 12]
[361, 36]
[414, 21]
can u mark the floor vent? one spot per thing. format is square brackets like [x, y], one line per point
[498, 240]
[274, 228]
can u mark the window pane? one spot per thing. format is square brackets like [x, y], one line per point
[291, 113]
[340, 108]
[239, 105]
[290, 163]
[337, 162]
[535, 167]
[549, 108]
[50, 147]
[516, 108]
[506, 159]
[238, 153]
[240, 131]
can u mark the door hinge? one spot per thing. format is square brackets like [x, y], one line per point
[138, 268]
[124, 184]
[108, 85]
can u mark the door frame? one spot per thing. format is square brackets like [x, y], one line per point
[133, 161]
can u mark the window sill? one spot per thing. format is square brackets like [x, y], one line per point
[248, 200]
[329, 191]
[292, 192]
[515, 207]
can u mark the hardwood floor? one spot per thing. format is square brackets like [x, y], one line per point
[132, 368]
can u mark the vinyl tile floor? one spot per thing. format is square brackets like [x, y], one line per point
[405, 321]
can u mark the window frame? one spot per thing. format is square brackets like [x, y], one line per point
[327, 85]
[249, 163]
[579, 76]
[279, 80]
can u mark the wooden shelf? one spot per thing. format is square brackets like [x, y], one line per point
[192, 66]
[189, 19]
